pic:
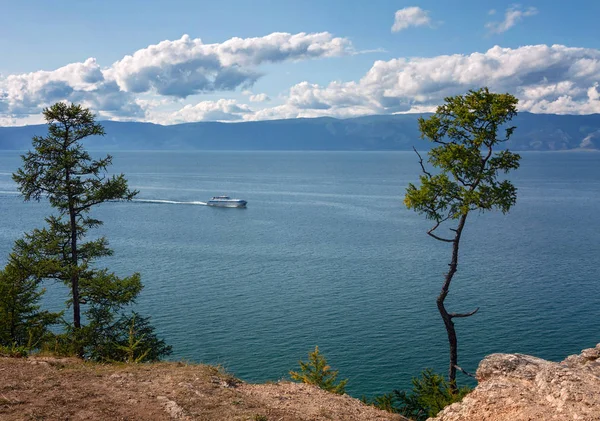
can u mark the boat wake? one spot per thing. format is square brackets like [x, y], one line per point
[157, 201]
[168, 202]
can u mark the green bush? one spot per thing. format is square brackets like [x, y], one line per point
[317, 372]
[129, 339]
[430, 394]
[22, 322]
[60, 345]
[13, 351]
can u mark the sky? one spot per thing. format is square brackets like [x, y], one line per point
[232, 60]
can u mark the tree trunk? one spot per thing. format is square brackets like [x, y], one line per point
[13, 323]
[74, 270]
[451, 341]
[447, 317]
[74, 257]
[75, 284]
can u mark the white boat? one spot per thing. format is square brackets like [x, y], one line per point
[226, 202]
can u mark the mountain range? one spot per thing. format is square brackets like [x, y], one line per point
[539, 132]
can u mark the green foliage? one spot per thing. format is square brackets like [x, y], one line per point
[13, 351]
[60, 169]
[430, 394]
[130, 339]
[466, 177]
[465, 130]
[60, 345]
[22, 323]
[63, 171]
[385, 402]
[316, 371]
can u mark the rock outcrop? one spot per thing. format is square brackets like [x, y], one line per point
[516, 387]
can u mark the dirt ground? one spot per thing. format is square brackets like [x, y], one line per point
[39, 388]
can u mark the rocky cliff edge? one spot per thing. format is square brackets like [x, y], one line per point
[516, 387]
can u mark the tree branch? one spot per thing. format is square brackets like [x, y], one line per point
[421, 163]
[430, 232]
[439, 238]
[453, 315]
[88, 205]
[462, 181]
[464, 371]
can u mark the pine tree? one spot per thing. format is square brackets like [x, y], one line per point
[60, 169]
[22, 323]
[316, 371]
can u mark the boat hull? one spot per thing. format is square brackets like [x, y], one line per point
[227, 203]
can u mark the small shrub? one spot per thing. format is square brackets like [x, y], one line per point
[60, 345]
[13, 351]
[130, 339]
[385, 402]
[429, 395]
[317, 372]
[22, 322]
[131, 350]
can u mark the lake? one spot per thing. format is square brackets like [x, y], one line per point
[326, 254]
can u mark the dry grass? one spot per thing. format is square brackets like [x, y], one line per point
[46, 388]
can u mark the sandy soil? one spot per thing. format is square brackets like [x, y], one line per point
[40, 388]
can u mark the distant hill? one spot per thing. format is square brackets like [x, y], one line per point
[541, 132]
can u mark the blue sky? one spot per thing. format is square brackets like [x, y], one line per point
[250, 60]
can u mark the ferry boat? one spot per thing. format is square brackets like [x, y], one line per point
[226, 202]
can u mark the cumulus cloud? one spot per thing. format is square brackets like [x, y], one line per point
[512, 16]
[410, 16]
[259, 98]
[570, 102]
[546, 79]
[175, 69]
[21, 93]
[221, 110]
[188, 66]
[25, 94]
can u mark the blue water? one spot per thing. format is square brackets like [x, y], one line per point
[326, 254]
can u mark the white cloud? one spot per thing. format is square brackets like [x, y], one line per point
[188, 66]
[410, 16]
[221, 110]
[21, 121]
[259, 98]
[548, 79]
[29, 93]
[273, 113]
[512, 16]
[339, 99]
[568, 103]
[174, 69]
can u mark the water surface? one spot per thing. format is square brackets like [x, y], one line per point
[326, 254]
